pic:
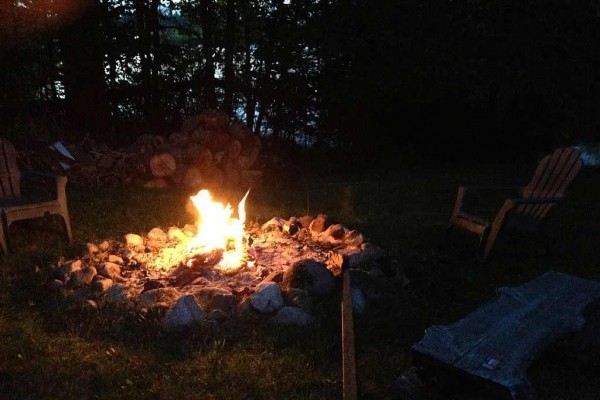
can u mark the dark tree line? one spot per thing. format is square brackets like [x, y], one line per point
[372, 80]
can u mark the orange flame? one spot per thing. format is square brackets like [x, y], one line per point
[217, 229]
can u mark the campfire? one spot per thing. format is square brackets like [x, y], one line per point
[221, 267]
[218, 230]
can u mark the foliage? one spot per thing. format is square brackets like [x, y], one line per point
[426, 79]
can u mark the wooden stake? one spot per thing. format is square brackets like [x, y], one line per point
[348, 359]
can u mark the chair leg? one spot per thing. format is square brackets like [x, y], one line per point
[4, 233]
[67, 222]
[487, 242]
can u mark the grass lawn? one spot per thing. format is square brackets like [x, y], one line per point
[55, 350]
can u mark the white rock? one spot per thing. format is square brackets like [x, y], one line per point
[184, 313]
[157, 234]
[133, 240]
[174, 233]
[119, 293]
[92, 248]
[267, 298]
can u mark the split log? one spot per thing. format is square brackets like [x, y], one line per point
[192, 153]
[248, 157]
[232, 173]
[156, 183]
[192, 178]
[234, 149]
[177, 178]
[200, 136]
[205, 158]
[179, 139]
[162, 165]
[219, 141]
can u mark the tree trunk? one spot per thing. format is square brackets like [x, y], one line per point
[230, 24]
[157, 118]
[248, 83]
[208, 96]
[142, 23]
[86, 101]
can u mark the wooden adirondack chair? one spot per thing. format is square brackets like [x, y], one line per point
[527, 210]
[15, 207]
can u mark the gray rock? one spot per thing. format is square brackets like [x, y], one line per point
[216, 299]
[133, 240]
[354, 238]
[311, 276]
[119, 293]
[267, 298]
[274, 224]
[57, 285]
[336, 232]
[358, 300]
[174, 233]
[189, 230]
[298, 298]
[184, 313]
[69, 267]
[82, 277]
[110, 270]
[292, 316]
[115, 259]
[157, 234]
[320, 223]
[165, 296]
[92, 248]
[367, 254]
[101, 284]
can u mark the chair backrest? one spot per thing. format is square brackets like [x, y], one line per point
[551, 178]
[10, 175]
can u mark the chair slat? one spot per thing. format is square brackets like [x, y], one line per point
[553, 175]
[9, 171]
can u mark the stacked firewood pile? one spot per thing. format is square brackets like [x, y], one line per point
[207, 152]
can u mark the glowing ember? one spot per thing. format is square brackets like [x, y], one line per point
[217, 229]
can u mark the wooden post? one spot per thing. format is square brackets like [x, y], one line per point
[348, 359]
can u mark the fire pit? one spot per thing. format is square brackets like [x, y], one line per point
[221, 267]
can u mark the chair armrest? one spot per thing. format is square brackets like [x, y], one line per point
[463, 194]
[492, 188]
[27, 174]
[524, 201]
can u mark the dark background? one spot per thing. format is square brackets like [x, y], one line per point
[390, 80]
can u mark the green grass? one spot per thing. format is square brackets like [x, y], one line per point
[50, 349]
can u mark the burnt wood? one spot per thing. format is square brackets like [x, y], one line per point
[527, 208]
[14, 207]
[495, 344]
